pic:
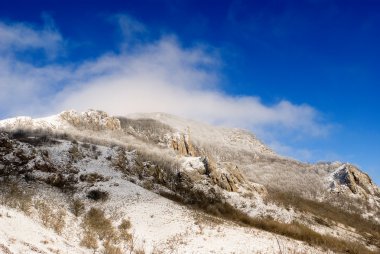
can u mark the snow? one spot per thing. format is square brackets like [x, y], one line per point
[52, 123]
[193, 163]
[21, 234]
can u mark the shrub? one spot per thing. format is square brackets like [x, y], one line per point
[75, 152]
[97, 225]
[15, 197]
[97, 195]
[95, 221]
[89, 240]
[19, 134]
[109, 248]
[148, 184]
[125, 225]
[86, 145]
[50, 218]
[92, 178]
[77, 207]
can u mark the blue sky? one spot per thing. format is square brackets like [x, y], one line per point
[303, 75]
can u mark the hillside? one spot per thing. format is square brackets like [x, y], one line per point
[156, 183]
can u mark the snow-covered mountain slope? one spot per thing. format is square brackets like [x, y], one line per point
[233, 139]
[221, 148]
[22, 234]
[228, 188]
[158, 225]
[261, 165]
[65, 121]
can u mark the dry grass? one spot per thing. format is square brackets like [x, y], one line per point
[54, 219]
[293, 230]
[95, 221]
[110, 248]
[89, 240]
[98, 227]
[145, 129]
[77, 207]
[92, 178]
[139, 251]
[125, 225]
[368, 229]
[14, 196]
[217, 207]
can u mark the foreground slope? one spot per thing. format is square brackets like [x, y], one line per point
[48, 181]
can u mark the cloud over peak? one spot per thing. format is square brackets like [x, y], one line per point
[156, 76]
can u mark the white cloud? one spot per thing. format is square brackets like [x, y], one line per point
[15, 37]
[129, 26]
[164, 77]
[159, 76]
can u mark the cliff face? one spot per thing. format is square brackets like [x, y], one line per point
[225, 175]
[349, 179]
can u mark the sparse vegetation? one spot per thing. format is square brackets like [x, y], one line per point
[96, 221]
[97, 226]
[125, 225]
[215, 205]
[92, 177]
[89, 240]
[368, 229]
[54, 219]
[75, 151]
[145, 129]
[124, 233]
[35, 138]
[110, 248]
[12, 195]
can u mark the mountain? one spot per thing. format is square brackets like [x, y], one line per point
[156, 183]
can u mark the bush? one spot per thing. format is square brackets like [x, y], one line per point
[95, 221]
[125, 225]
[109, 248]
[123, 231]
[89, 240]
[97, 195]
[14, 196]
[92, 178]
[50, 218]
[77, 207]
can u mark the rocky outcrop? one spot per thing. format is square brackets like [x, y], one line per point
[91, 120]
[349, 178]
[31, 163]
[14, 157]
[199, 165]
[182, 144]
